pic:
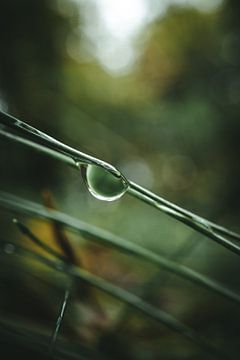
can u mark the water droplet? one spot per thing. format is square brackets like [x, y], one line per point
[104, 184]
[9, 249]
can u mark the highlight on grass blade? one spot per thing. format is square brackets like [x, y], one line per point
[106, 182]
[98, 235]
[133, 300]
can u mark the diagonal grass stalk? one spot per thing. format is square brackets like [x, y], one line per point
[98, 235]
[203, 226]
[25, 231]
[158, 281]
[12, 333]
[21, 132]
[127, 297]
[59, 321]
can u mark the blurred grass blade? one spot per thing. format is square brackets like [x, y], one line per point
[128, 298]
[98, 235]
[17, 340]
[158, 281]
[25, 231]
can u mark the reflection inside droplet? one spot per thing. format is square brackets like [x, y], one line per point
[9, 248]
[104, 184]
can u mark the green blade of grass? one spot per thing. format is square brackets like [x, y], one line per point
[98, 235]
[158, 281]
[134, 301]
[40, 148]
[19, 131]
[37, 139]
[25, 231]
[36, 344]
[188, 218]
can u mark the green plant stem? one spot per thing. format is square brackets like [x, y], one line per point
[13, 334]
[20, 131]
[156, 282]
[40, 148]
[196, 222]
[25, 231]
[37, 139]
[59, 321]
[97, 235]
[131, 299]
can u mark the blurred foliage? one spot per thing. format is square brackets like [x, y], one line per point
[191, 64]
[171, 124]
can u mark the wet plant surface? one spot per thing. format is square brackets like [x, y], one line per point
[108, 184]
[119, 206]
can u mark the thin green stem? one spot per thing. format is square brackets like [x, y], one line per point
[131, 299]
[19, 131]
[40, 148]
[196, 222]
[155, 283]
[26, 231]
[161, 279]
[59, 321]
[106, 238]
[11, 333]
